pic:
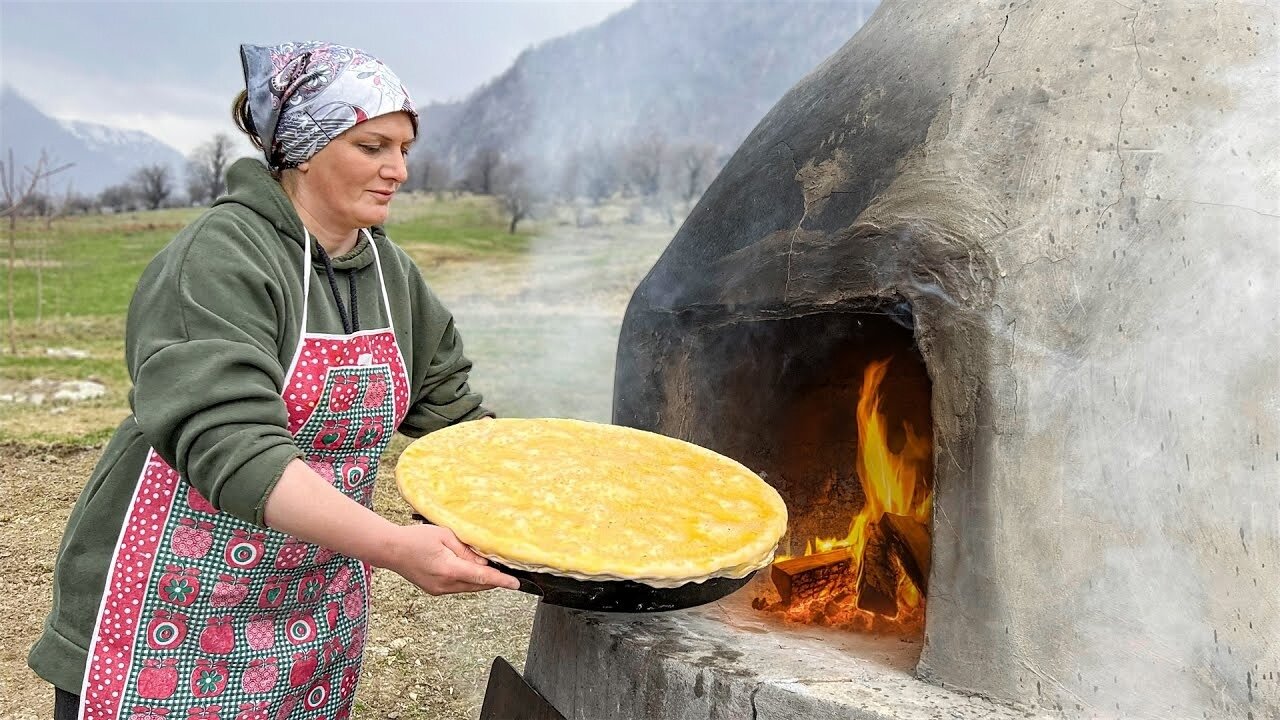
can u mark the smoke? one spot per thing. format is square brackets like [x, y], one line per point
[542, 328]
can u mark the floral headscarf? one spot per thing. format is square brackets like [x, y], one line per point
[302, 95]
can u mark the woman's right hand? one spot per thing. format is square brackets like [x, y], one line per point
[435, 560]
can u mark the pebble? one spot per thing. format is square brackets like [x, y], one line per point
[76, 390]
[38, 391]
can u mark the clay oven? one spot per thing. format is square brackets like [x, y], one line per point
[1063, 221]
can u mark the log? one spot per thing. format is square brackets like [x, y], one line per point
[878, 584]
[910, 542]
[803, 577]
[895, 541]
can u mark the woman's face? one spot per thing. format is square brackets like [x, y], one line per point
[351, 180]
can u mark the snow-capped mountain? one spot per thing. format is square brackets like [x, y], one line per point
[105, 137]
[101, 155]
[126, 148]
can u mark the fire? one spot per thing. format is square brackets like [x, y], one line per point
[895, 484]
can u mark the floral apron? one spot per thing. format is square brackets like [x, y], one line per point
[208, 617]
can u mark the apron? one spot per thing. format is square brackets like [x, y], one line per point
[208, 617]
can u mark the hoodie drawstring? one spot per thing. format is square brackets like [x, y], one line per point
[352, 324]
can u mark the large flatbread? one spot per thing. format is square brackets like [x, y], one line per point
[593, 501]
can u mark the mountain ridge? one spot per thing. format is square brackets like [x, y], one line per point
[697, 73]
[101, 155]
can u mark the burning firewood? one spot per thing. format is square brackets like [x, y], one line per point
[896, 541]
[910, 541]
[896, 544]
[803, 577]
[878, 585]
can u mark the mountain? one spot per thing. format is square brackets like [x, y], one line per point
[689, 72]
[102, 155]
[126, 148]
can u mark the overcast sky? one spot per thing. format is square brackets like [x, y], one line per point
[172, 68]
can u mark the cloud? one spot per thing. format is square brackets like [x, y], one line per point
[171, 69]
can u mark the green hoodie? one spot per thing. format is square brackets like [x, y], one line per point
[210, 334]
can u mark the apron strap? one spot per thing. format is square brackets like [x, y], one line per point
[306, 293]
[382, 283]
[306, 296]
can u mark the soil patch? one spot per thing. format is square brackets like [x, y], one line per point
[427, 657]
[38, 489]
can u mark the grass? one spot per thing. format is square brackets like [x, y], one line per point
[474, 225]
[85, 423]
[91, 264]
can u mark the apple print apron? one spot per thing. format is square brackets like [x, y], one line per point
[208, 617]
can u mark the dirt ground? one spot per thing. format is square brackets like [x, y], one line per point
[427, 657]
[542, 332]
[37, 490]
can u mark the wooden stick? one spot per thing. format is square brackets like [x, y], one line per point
[803, 577]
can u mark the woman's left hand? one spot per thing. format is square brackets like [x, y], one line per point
[306, 506]
[434, 559]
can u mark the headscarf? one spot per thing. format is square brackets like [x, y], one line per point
[302, 95]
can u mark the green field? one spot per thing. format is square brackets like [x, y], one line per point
[86, 269]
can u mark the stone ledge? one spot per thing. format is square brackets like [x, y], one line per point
[724, 661]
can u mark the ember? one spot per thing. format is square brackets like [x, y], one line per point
[875, 577]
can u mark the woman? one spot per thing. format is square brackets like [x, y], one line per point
[217, 563]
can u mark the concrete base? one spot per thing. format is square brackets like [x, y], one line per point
[727, 661]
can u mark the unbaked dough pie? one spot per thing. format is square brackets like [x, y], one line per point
[593, 501]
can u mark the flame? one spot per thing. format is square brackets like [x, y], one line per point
[893, 482]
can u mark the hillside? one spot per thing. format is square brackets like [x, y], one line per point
[692, 73]
[102, 155]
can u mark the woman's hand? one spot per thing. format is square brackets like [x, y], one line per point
[306, 506]
[434, 559]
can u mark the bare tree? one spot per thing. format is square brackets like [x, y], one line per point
[645, 164]
[153, 184]
[598, 175]
[512, 187]
[482, 170]
[571, 177]
[16, 193]
[207, 167]
[53, 206]
[78, 204]
[696, 169]
[118, 198]
[49, 210]
[428, 173]
[37, 204]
